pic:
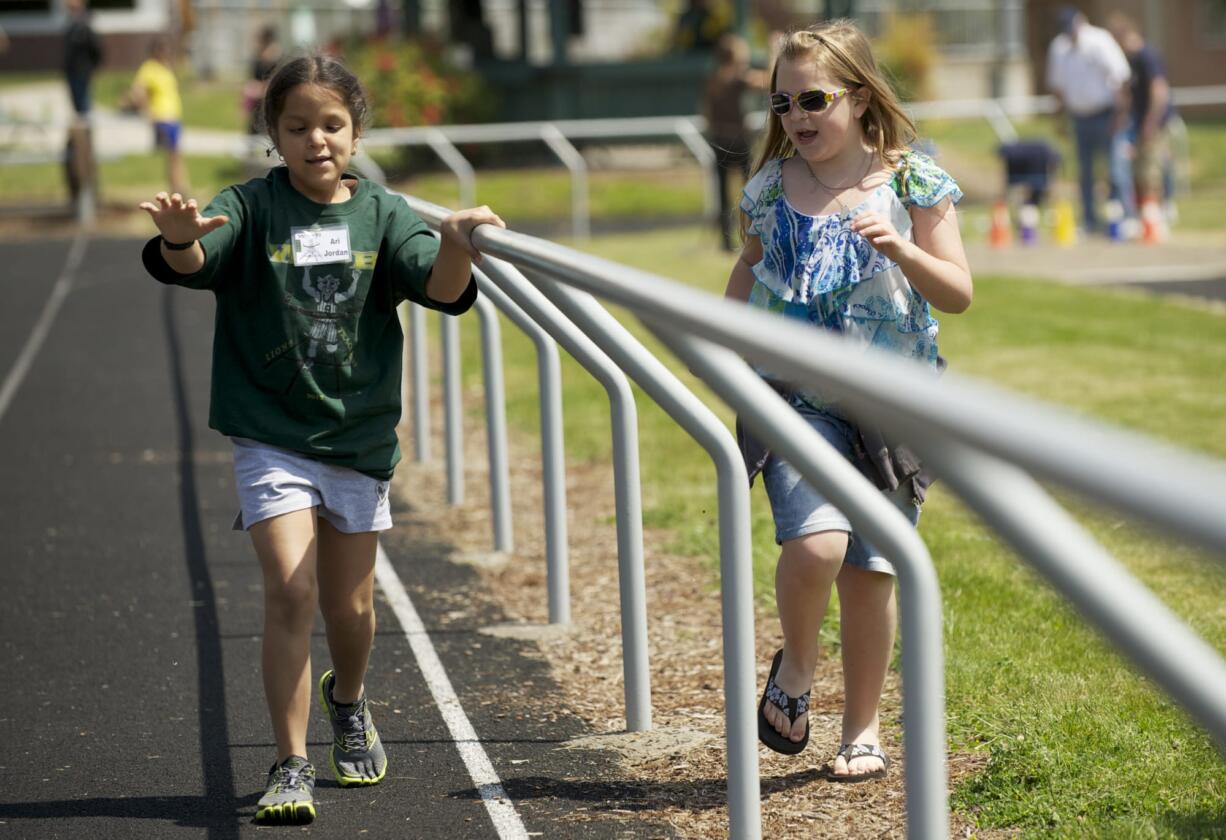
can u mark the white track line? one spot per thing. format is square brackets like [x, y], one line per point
[43, 325]
[502, 812]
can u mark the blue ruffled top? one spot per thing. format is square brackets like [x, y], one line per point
[817, 269]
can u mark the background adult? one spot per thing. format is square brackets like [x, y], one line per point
[723, 108]
[1141, 153]
[82, 55]
[267, 56]
[1088, 73]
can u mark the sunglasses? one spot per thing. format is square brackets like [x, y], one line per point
[812, 101]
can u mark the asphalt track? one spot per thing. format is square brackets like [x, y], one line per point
[131, 614]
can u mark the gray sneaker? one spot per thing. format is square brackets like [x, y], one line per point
[357, 753]
[290, 795]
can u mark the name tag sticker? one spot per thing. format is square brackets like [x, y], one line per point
[321, 245]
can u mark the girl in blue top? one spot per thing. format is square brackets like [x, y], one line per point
[846, 229]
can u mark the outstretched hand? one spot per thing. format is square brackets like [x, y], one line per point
[178, 220]
[458, 228]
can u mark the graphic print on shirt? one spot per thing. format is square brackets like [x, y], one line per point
[328, 298]
[323, 298]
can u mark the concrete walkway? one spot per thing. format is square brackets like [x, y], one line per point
[1188, 264]
[1097, 261]
[34, 121]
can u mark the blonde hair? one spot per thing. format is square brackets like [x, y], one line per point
[839, 49]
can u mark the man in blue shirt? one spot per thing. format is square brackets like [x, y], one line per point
[1141, 155]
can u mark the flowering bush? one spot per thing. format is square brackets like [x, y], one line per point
[907, 51]
[411, 83]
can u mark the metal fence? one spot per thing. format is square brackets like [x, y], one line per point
[560, 137]
[962, 27]
[984, 442]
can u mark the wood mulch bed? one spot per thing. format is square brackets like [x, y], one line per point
[676, 773]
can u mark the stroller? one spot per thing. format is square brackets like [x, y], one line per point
[1029, 164]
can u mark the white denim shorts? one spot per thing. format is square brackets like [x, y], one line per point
[272, 482]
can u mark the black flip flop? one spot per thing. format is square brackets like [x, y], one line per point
[793, 707]
[854, 751]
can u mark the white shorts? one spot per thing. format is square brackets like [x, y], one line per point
[272, 482]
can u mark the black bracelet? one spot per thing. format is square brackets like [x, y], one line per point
[177, 246]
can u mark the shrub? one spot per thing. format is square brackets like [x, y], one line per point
[906, 50]
[412, 83]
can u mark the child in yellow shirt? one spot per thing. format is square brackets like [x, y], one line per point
[155, 90]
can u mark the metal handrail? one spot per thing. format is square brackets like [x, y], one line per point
[549, 388]
[495, 424]
[628, 504]
[453, 436]
[689, 130]
[736, 571]
[766, 414]
[925, 715]
[1161, 644]
[964, 428]
[557, 136]
[1164, 484]
[1171, 488]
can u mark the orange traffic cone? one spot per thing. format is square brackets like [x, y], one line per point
[1000, 235]
[1153, 224]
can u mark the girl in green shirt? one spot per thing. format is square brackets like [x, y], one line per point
[308, 265]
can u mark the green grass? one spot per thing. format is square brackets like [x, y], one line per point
[611, 194]
[1078, 744]
[968, 148]
[206, 104]
[122, 181]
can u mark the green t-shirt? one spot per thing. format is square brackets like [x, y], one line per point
[307, 345]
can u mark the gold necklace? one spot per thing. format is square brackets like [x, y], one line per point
[834, 191]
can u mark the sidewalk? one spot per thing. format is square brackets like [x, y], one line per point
[34, 119]
[1184, 258]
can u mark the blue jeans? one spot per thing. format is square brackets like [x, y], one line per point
[1092, 133]
[1123, 168]
[1123, 149]
[78, 90]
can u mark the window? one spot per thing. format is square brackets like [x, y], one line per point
[25, 7]
[1212, 23]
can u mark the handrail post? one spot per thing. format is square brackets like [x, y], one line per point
[626, 483]
[553, 461]
[768, 415]
[366, 165]
[449, 329]
[996, 116]
[701, 150]
[495, 425]
[420, 383]
[736, 573]
[83, 171]
[566, 152]
[454, 160]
